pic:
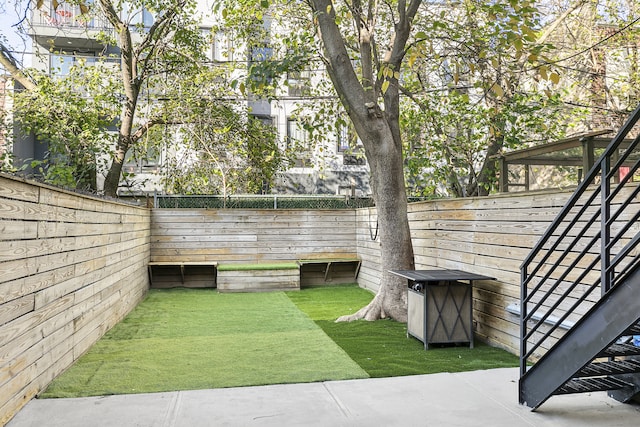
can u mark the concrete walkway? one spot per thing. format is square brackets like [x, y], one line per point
[480, 398]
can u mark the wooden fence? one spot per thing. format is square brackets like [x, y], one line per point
[70, 268]
[488, 235]
[251, 235]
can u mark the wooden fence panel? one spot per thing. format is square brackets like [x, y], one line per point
[250, 235]
[70, 268]
[488, 235]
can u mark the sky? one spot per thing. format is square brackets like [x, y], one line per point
[9, 15]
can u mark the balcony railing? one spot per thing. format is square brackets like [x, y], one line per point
[69, 17]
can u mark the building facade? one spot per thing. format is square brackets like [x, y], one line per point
[63, 35]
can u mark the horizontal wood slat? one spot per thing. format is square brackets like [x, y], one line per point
[246, 236]
[70, 268]
[485, 235]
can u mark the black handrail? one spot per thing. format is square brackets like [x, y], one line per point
[593, 172]
[544, 275]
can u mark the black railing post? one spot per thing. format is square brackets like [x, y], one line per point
[523, 317]
[576, 233]
[605, 227]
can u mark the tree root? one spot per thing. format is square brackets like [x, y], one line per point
[370, 312]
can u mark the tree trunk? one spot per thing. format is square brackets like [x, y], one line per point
[112, 180]
[396, 250]
[132, 79]
[379, 132]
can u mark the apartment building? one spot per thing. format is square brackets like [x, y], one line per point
[62, 35]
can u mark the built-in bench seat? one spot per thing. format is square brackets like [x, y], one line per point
[258, 276]
[263, 276]
[323, 271]
[189, 274]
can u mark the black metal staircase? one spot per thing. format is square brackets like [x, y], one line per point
[580, 295]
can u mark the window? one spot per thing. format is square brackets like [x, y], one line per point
[261, 53]
[298, 141]
[146, 160]
[350, 145]
[296, 135]
[299, 82]
[348, 139]
[222, 48]
[265, 120]
[61, 63]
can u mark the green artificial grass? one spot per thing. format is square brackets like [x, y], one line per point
[179, 339]
[182, 339]
[382, 348]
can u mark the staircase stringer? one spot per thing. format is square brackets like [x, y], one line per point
[549, 356]
[594, 332]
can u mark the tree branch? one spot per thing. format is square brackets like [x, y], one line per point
[9, 64]
[340, 69]
[551, 28]
[144, 128]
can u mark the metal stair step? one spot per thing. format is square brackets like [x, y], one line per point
[585, 385]
[616, 350]
[633, 330]
[611, 367]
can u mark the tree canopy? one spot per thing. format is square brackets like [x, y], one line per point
[164, 86]
[478, 77]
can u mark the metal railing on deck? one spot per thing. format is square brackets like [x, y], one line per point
[591, 244]
[70, 16]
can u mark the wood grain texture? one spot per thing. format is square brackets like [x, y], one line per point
[486, 235]
[246, 236]
[71, 267]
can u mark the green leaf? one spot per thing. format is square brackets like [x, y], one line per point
[497, 89]
[385, 86]
[543, 71]
[518, 44]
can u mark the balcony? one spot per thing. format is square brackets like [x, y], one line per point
[67, 28]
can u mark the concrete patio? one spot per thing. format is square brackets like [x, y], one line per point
[487, 398]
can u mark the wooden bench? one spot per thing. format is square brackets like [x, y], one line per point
[258, 276]
[323, 271]
[189, 274]
[252, 277]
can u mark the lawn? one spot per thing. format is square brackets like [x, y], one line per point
[382, 348]
[180, 339]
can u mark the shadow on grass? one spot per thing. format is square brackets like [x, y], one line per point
[382, 348]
